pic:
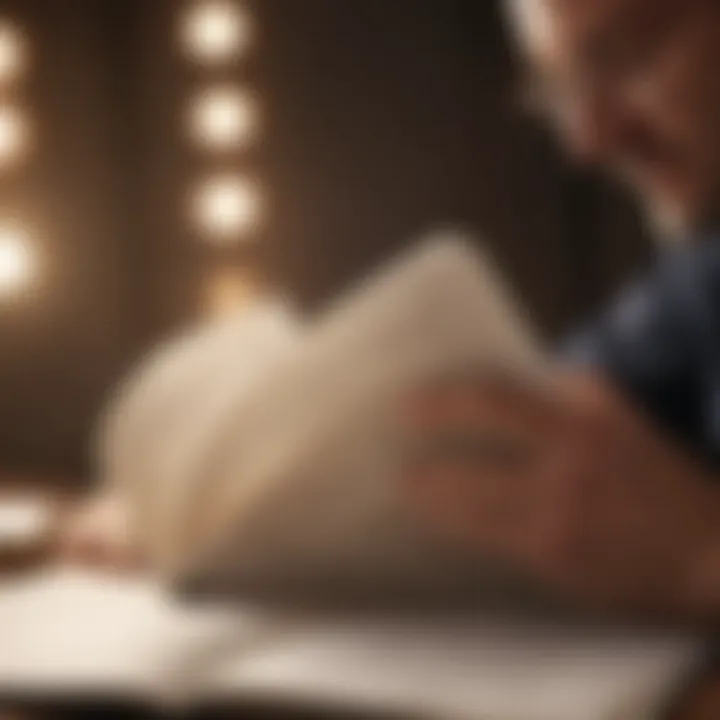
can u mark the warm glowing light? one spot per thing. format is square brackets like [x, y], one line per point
[223, 118]
[13, 52]
[16, 262]
[216, 31]
[227, 208]
[228, 290]
[14, 135]
[23, 522]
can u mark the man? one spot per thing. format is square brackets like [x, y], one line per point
[615, 502]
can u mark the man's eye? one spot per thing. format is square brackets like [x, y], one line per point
[618, 56]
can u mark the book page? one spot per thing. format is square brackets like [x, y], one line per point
[463, 669]
[147, 435]
[295, 489]
[83, 634]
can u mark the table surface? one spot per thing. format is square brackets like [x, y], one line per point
[702, 701]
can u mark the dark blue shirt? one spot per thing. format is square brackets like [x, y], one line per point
[661, 345]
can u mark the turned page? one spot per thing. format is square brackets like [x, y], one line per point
[294, 493]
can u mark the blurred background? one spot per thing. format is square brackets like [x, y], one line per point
[165, 160]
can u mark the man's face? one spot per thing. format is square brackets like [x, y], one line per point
[633, 85]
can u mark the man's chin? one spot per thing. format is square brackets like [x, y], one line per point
[667, 224]
[671, 221]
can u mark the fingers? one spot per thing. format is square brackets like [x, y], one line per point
[482, 406]
[96, 536]
[481, 453]
[481, 427]
[489, 508]
[103, 553]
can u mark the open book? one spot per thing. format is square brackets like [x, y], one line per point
[271, 460]
[260, 461]
[70, 636]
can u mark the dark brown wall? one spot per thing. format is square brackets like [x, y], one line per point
[60, 350]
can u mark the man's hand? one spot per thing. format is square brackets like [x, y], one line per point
[597, 504]
[97, 534]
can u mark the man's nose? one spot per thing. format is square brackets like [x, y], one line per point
[595, 129]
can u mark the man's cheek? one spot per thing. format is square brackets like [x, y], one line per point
[689, 121]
